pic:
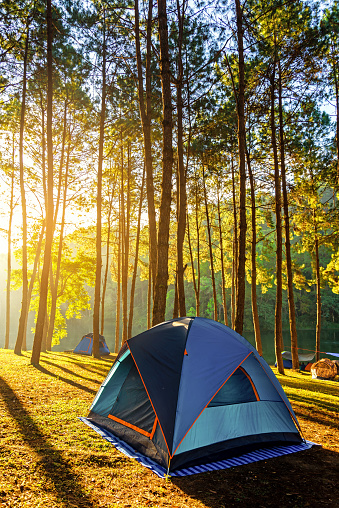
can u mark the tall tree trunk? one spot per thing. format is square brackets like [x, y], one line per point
[43, 146]
[291, 306]
[50, 212]
[255, 315]
[149, 297]
[146, 117]
[197, 296]
[160, 288]
[176, 299]
[336, 89]
[9, 254]
[241, 276]
[117, 312]
[234, 248]
[34, 272]
[44, 335]
[24, 302]
[104, 285]
[54, 287]
[277, 184]
[223, 284]
[108, 243]
[97, 298]
[122, 245]
[215, 317]
[136, 259]
[317, 273]
[126, 249]
[54, 282]
[181, 197]
[61, 164]
[44, 184]
[195, 285]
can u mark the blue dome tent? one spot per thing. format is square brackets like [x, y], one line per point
[85, 346]
[191, 392]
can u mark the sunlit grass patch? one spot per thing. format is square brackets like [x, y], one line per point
[316, 404]
[49, 458]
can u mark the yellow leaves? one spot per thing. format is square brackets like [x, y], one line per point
[331, 273]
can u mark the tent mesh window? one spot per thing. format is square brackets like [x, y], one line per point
[237, 390]
[132, 405]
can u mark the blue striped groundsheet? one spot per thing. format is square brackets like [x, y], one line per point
[247, 458]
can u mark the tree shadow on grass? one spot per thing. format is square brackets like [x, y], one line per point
[317, 417]
[86, 366]
[66, 380]
[110, 358]
[315, 386]
[307, 478]
[317, 403]
[71, 372]
[54, 467]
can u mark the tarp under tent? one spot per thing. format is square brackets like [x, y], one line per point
[191, 395]
[85, 346]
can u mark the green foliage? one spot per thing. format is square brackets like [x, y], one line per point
[291, 36]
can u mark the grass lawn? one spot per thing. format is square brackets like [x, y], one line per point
[48, 458]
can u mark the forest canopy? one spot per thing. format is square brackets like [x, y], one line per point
[169, 159]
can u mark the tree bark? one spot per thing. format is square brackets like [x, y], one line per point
[104, 285]
[136, 259]
[54, 287]
[291, 306]
[336, 88]
[61, 165]
[160, 288]
[117, 312]
[318, 282]
[255, 315]
[197, 296]
[240, 293]
[50, 213]
[149, 298]
[97, 298]
[146, 117]
[24, 302]
[126, 250]
[195, 285]
[223, 286]
[34, 272]
[215, 316]
[181, 195]
[9, 255]
[43, 146]
[108, 243]
[44, 335]
[54, 282]
[277, 184]
[176, 299]
[234, 248]
[122, 240]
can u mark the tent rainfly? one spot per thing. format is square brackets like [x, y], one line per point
[191, 391]
[85, 346]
